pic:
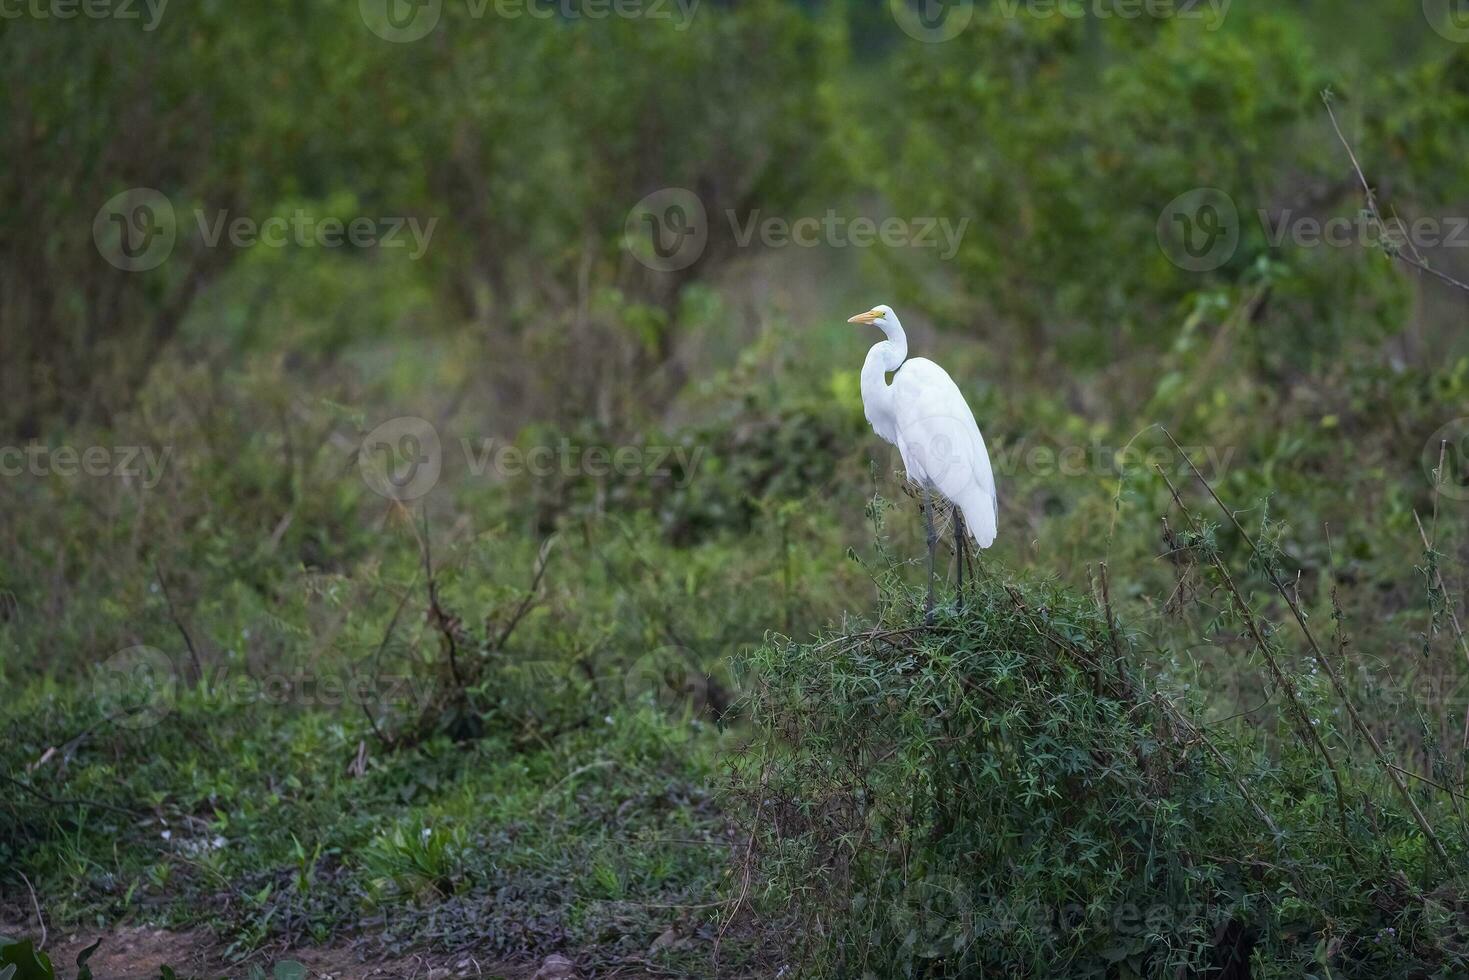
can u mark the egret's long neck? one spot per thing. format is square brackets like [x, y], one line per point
[877, 394]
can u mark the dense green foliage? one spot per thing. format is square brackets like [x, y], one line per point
[999, 794]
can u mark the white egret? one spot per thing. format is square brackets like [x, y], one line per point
[925, 415]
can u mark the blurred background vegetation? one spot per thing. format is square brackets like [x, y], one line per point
[584, 641]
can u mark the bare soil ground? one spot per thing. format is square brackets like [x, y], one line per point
[139, 952]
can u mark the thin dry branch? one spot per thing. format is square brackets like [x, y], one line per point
[377, 657]
[526, 604]
[35, 905]
[1283, 680]
[53, 801]
[1399, 254]
[1327, 667]
[446, 624]
[179, 624]
[1111, 620]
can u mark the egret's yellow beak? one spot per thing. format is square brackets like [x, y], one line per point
[869, 317]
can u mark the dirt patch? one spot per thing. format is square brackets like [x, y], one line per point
[132, 953]
[138, 953]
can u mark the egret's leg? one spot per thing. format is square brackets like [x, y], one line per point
[959, 550]
[933, 539]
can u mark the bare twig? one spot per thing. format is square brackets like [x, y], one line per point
[1372, 208]
[35, 905]
[1111, 620]
[96, 804]
[1327, 667]
[387, 635]
[178, 623]
[442, 621]
[542, 560]
[1435, 784]
[1283, 681]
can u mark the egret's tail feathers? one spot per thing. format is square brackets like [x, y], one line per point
[981, 516]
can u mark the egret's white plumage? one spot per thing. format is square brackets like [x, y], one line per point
[925, 415]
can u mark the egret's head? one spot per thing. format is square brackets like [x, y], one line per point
[881, 317]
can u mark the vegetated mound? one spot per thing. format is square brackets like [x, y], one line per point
[1003, 794]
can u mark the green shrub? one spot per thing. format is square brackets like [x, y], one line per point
[1003, 794]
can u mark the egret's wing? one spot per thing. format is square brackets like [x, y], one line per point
[941, 444]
